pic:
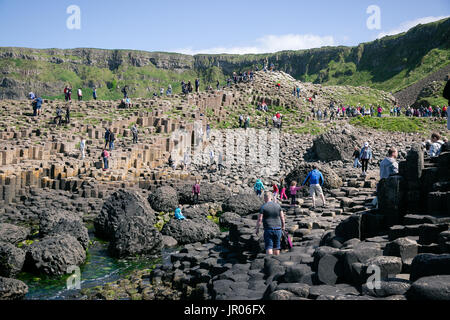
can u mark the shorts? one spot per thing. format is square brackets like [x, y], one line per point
[315, 189]
[272, 239]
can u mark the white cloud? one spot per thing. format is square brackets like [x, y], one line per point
[269, 44]
[405, 26]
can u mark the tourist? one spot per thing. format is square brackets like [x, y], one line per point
[241, 120]
[218, 85]
[105, 156]
[66, 95]
[134, 131]
[69, 94]
[356, 153]
[283, 190]
[107, 133]
[259, 187]
[197, 85]
[80, 94]
[247, 123]
[125, 92]
[436, 145]
[68, 113]
[189, 86]
[196, 191]
[186, 160]
[171, 163]
[316, 181]
[111, 140]
[178, 214]
[365, 156]
[83, 148]
[272, 217]
[275, 191]
[58, 118]
[293, 191]
[169, 90]
[298, 92]
[211, 157]
[208, 131]
[380, 111]
[37, 108]
[389, 165]
[94, 94]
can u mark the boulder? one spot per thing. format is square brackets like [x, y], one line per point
[332, 291]
[52, 222]
[121, 205]
[164, 199]
[11, 260]
[190, 231]
[54, 254]
[425, 265]
[209, 193]
[135, 236]
[350, 228]
[332, 180]
[13, 234]
[404, 248]
[280, 295]
[12, 289]
[430, 288]
[299, 289]
[390, 199]
[227, 218]
[337, 144]
[243, 204]
[297, 273]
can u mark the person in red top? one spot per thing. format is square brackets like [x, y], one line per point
[278, 115]
[105, 156]
[283, 190]
[275, 191]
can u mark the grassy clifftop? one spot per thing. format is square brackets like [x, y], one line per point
[388, 64]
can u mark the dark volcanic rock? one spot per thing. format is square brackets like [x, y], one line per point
[12, 289]
[430, 288]
[12, 234]
[243, 204]
[121, 205]
[425, 265]
[336, 144]
[164, 199]
[11, 260]
[54, 254]
[209, 193]
[135, 236]
[189, 231]
[52, 222]
[387, 288]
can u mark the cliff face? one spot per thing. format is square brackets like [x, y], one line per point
[391, 64]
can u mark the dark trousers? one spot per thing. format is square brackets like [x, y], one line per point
[365, 164]
[59, 119]
[293, 198]
[195, 198]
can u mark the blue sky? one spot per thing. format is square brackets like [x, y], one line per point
[226, 26]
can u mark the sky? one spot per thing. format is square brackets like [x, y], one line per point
[200, 26]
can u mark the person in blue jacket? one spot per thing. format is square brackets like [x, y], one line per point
[316, 180]
[259, 188]
[179, 215]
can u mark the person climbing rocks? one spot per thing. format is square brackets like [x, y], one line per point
[241, 120]
[282, 187]
[356, 153]
[316, 181]
[83, 148]
[68, 113]
[293, 191]
[37, 106]
[259, 187]
[80, 94]
[66, 93]
[271, 216]
[107, 133]
[196, 192]
[94, 94]
[389, 166]
[179, 215]
[189, 86]
[218, 85]
[58, 118]
[365, 156]
[105, 157]
[111, 140]
[275, 191]
[247, 123]
[208, 131]
[134, 131]
[69, 94]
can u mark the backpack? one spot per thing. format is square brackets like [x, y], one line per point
[286, 242]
